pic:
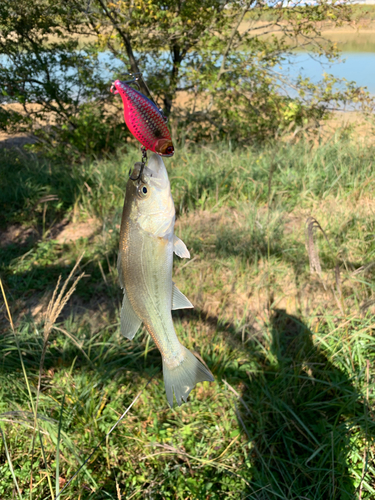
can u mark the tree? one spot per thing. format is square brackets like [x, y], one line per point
[223, 55]
[219, 57]
[53, 79]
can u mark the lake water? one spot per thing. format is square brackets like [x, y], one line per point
[354, 66]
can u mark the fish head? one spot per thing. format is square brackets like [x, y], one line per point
[149, 190]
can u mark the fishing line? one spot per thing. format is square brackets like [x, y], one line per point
[105, 437]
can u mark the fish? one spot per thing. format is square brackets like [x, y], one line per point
[147, 245]
[144, 120]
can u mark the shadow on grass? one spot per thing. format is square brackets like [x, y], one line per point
[31, 270]
[298, 410]
[26, 180]
[300, 415]
[105, 356]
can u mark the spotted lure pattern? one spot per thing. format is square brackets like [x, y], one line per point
[144, 120]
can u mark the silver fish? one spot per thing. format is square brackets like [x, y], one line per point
[147, 243]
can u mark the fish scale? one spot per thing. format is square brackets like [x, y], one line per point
[144, 120]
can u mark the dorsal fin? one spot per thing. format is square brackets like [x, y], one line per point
[130, 322]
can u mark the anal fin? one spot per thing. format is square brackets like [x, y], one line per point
[179, 301]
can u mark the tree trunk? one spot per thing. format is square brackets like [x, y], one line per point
[177, 58]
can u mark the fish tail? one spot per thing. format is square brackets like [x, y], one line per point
[181, 379]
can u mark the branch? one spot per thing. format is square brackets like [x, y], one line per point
[234, 31]
[127, 42]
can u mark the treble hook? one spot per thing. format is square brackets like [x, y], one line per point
[133, 80]
[143, 164]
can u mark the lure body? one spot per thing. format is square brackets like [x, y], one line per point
[144, 120]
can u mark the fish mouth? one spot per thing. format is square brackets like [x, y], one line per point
[164, 147]
[152, 173]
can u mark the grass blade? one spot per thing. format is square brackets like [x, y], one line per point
[10, 463]
[58, 449]
[54, 309]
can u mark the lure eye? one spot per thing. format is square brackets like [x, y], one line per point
[143, 191]
[164, 147]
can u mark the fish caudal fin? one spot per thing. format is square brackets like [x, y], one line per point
[181, 379]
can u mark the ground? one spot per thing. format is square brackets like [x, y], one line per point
[290, 412]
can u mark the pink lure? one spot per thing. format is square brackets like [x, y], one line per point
[144, 120]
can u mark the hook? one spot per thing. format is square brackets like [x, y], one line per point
[134, 80]
[143, 164]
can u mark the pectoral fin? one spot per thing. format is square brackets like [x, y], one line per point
[179, 301]
[129, 320]
[180, 249]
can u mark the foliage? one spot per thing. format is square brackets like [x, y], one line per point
[363, 13]
[213, 65]
[91, 131]
[223, 62]
[53, 81]
[295, 420]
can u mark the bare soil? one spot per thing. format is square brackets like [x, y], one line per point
[76, 230]
[63, 232]
[16, 235]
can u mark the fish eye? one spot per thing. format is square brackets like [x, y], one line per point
[142, 191]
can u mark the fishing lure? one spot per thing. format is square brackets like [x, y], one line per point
[144, 119]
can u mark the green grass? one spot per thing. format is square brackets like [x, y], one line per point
[290, 414]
